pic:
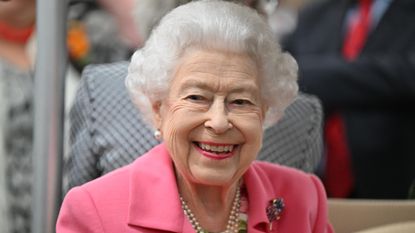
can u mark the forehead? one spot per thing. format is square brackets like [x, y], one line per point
[211, 65]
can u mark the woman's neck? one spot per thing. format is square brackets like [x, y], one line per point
[15, 54]
[210, 204]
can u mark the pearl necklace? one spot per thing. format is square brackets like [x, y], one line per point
[233, 221]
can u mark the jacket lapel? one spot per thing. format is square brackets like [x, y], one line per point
[260, 192]
[154, 200]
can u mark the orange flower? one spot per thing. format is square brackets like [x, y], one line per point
[77, 41]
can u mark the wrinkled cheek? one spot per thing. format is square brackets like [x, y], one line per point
[175, 134]
[171, 140]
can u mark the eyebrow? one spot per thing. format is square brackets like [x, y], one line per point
[236, 88]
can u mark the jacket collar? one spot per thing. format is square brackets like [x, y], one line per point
[260, 192]
[154, 199]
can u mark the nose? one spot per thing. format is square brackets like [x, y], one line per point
[218, 119]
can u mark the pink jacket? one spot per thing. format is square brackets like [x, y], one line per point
[143, 197]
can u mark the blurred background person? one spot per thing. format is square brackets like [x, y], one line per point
[17, 58]
[17, 24]
[358, 58]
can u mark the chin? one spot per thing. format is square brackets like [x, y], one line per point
[214, 177]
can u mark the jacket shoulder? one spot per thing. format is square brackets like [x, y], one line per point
[96, 206]
[288, 181]
[284, 172]
[109, 188]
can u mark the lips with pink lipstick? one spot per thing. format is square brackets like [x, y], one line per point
[215, 150]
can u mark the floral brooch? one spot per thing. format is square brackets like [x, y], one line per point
[274, 210]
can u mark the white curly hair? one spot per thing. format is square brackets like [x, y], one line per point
[212, 25]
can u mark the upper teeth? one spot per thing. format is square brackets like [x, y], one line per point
[216, 148]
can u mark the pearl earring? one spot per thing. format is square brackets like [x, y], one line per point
[157, 135]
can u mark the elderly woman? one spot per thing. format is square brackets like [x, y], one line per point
[210, 79]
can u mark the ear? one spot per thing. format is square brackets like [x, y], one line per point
[157, 116]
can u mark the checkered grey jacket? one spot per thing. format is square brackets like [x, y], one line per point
[107, 130]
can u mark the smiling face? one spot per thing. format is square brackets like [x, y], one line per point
[211, 120]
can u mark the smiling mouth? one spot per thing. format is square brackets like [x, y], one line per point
[215, 151]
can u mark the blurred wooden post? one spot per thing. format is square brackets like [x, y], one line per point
[48, 113]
